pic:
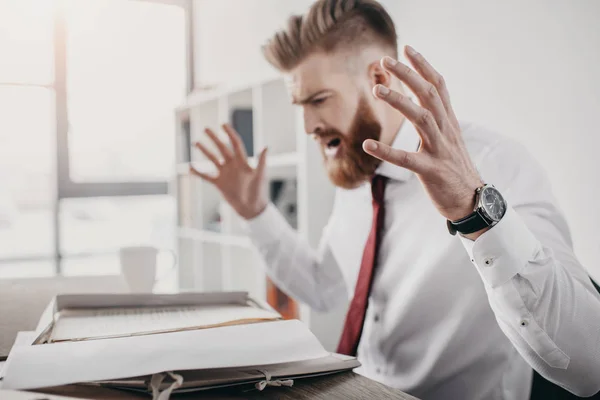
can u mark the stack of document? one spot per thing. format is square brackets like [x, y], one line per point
[104, 323]
[174, 343]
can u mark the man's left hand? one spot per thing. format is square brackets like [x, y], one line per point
[442, 162]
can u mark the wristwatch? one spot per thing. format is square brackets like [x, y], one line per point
[490, 207]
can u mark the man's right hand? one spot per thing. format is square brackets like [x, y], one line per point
[242, 186]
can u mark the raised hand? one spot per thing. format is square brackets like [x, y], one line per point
[242, 186]
[442, 162]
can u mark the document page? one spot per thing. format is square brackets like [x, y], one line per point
[84, 324]
[276, 342]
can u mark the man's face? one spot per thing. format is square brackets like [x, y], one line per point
[339, 112]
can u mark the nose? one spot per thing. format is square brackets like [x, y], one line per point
[312, 122]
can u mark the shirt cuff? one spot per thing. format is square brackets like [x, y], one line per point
[266, 226]
[503, 251]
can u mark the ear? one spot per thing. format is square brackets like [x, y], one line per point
[378, 75]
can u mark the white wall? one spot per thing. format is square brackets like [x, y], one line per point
[229, 34]
[528, 69]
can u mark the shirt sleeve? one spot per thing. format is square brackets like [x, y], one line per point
[541, 295]
[312, 277]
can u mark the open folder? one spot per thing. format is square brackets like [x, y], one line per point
[99, 316]
[174, 343]
[250, 376]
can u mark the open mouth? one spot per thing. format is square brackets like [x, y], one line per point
[332, 147]
[334, 143]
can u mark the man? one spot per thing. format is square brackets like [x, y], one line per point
[448, 317]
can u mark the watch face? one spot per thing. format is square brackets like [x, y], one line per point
[493, 203]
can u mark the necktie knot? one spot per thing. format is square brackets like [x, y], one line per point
[378, 188]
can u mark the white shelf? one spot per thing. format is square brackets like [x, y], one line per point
[182, 168]
[283, 160]
[214, 237]
[273, 161]
[199, 98]
[227, 260]
[182, 114]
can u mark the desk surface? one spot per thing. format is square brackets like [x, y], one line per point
[345, 385]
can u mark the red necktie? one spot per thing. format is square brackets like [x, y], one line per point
[358, 307]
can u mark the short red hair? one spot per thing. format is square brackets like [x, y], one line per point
[331, 25]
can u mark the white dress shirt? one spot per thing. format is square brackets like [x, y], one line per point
[449, 318]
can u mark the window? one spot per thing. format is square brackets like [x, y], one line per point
[87, 130]
[125, 76]
[26, 31]
[26, 172]
[98, 226]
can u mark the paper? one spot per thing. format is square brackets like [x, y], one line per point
[136, 300]
[56, 364]
[24, 338]
[13, 395]
[81, 324]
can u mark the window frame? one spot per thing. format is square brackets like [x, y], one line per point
[66, 188]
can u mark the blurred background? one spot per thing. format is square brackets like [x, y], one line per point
[89, 91]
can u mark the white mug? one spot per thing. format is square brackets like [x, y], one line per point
[138, 266]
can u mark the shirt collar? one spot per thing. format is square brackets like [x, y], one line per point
[407, 139]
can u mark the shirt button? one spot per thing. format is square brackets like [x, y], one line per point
[488, 262]
[376, 318]
[378, 370]
[524, 323]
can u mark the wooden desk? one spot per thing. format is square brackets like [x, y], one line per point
[345, 385]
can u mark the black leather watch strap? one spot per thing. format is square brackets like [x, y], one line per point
[469, 224]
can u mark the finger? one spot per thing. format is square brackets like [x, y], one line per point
[427, 71]
[420, 117]
[424, 90]
[206, 177]
[412, 161]
[209, 154]
[238, 147]
[262, 163]
[223, 149]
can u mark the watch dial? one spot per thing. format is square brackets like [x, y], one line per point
[493, 203]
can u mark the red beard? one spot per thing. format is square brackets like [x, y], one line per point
[351, 166]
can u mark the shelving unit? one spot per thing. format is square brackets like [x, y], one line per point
[214, 250]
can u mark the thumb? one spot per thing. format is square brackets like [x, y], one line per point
[262, 162]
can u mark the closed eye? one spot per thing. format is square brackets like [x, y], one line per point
[318, 101]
